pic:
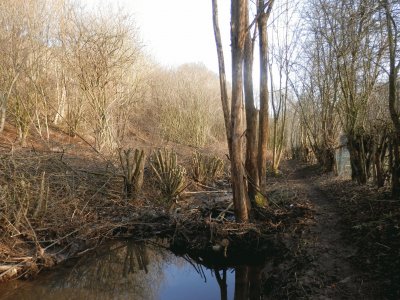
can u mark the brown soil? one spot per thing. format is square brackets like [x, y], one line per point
[322, 265]
[371, 222]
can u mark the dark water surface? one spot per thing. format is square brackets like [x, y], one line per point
[131, 270]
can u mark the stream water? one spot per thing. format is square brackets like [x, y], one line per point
[132, 270]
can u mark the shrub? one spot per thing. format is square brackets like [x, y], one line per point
[132, 164]
[206, 168]
[170, 175]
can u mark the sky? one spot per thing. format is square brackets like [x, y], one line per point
[175, 32]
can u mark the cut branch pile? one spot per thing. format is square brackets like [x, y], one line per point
[200, 229]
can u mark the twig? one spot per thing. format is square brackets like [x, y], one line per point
[205, 186]
[222, 214]
[98, 173]
[384, 246]
[61, 238]
[207, 192]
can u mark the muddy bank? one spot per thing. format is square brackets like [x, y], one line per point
[351, 249]
[371, 224]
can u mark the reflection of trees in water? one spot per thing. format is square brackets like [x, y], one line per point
[119, 271]
[123, 270]
[247, 279]
[247, 282]
[129, 270]
[135, 250]
[221, 279]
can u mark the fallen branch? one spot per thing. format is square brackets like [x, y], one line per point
[206, 192]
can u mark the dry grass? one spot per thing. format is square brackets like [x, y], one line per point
[51, 208]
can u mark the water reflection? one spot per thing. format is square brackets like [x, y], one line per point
[131, 270]
[247, 282]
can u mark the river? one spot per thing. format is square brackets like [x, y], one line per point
[138, 270]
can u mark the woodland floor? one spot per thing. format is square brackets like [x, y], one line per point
[330, 238]
[329, 263]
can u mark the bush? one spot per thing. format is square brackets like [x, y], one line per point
[170, 175]
[132, 164]
[206, 168]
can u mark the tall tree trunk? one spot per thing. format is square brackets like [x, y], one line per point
[396, 167]
[264, 111]
[238, 30]
[222, 75]
[394, 114]
[251, 117]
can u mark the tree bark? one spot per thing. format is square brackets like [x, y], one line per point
[394, 114]
[264, 110]
[238, 30]
[222, 283]
[222, 75]
[251, 117]
[357, 158]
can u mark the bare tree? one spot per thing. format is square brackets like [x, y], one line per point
[282, 50]
[246, 187]
[222, 74]
[264, 9]
[238, 36]
[251, 114]
[393, 34]
[347, 52]
[100, 53]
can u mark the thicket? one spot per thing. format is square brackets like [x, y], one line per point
[332, 73]
[87, 73]
[344, 79]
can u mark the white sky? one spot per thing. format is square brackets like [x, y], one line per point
[178, 31]
[175, 32]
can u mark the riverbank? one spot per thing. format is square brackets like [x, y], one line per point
[62, 204]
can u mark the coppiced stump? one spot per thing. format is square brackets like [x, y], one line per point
[132, 163]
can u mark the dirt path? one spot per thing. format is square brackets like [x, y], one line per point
[328, 272]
